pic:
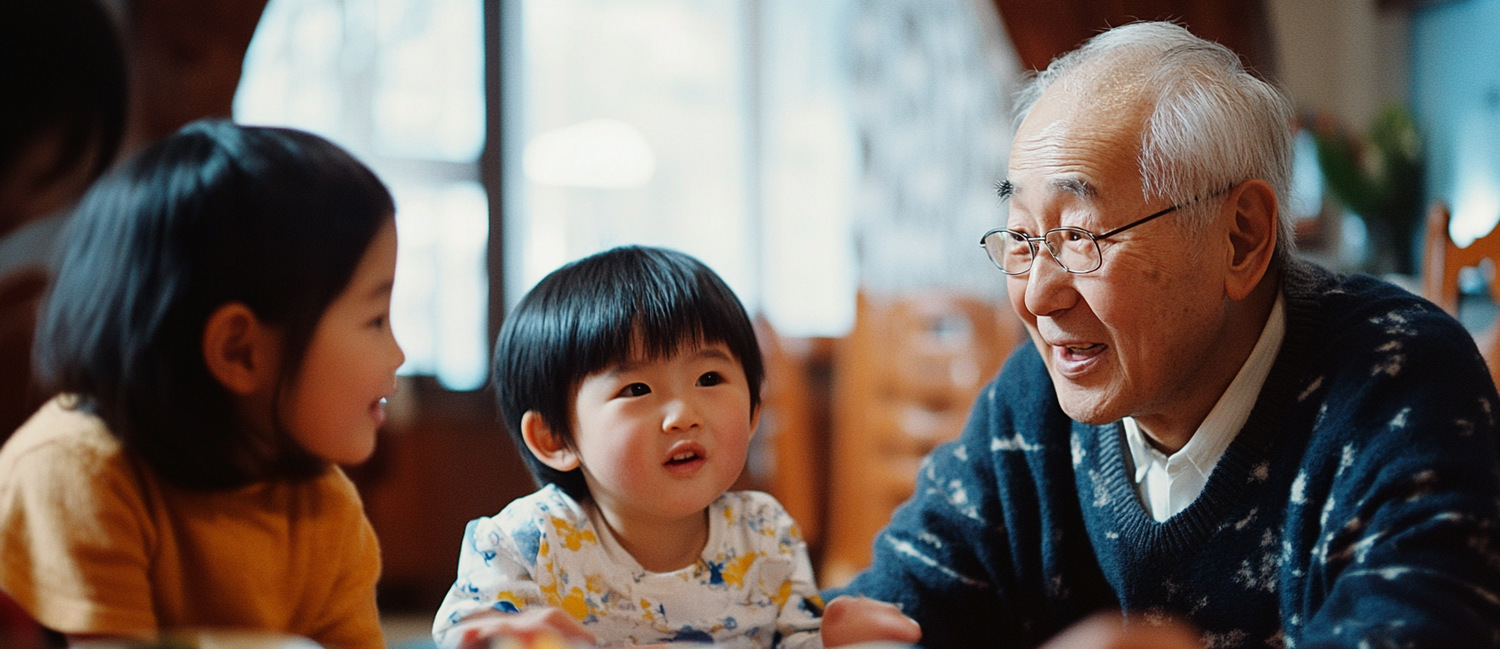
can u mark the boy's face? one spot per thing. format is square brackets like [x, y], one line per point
[659, 440]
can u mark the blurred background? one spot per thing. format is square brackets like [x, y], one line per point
[834, 160]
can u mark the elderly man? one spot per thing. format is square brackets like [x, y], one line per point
[1205, 428]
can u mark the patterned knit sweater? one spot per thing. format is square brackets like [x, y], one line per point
[1358, 507]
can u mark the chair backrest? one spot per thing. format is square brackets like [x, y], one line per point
[904, 380]
[789, 454]
[1442, 260]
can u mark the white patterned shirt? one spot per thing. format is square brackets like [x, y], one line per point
[751, 587]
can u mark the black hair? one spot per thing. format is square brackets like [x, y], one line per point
[275, 219]
[62, 66]
[604, 310]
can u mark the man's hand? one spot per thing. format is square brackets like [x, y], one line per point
[849, 620]
[529, 627]
[1111, 632]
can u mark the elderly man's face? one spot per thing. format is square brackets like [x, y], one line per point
[1130, 337]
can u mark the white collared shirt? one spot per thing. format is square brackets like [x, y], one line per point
[1168, 484]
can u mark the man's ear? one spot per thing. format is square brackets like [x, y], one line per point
[1252, 237]
[543, 443]
[240, 350]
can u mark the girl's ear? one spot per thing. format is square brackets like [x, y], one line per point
[547, 446]
[240, 350]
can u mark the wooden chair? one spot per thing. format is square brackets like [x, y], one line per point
[904, 380]
[1441, 262]
[789, 452]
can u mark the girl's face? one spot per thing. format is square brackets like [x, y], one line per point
[660, 440]
[334, 407]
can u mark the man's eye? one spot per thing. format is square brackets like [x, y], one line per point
[711, 378]
[636, 390]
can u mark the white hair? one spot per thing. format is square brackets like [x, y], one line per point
[1214, 123]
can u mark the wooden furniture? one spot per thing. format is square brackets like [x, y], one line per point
[1442, 260]
[789, 455]
[904, 380]
[433, 471]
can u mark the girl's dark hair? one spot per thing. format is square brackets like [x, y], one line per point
[600, 311]
[275, 219]
[61, 66]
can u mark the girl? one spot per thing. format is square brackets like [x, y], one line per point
[218, 342]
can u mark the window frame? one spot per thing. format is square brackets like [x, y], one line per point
[431, 399]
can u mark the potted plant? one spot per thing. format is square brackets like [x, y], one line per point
[1378, 177]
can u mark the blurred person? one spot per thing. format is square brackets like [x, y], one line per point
[63, 76]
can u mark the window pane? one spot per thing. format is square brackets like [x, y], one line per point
[428, 97]
[292, 75]
[808, 171]
[801, 149]
[632, 131]
[444, 233]
[400, 84]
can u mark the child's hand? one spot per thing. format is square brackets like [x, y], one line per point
[530, 627]
[850, 620]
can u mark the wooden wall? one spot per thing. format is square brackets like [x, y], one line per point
[1042, 29]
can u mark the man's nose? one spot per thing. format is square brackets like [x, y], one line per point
[1049, 287]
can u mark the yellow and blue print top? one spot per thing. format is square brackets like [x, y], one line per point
[751, 587]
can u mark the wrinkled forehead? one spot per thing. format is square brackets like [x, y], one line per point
[1083, 135]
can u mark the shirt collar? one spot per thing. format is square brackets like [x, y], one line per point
[1228, 415]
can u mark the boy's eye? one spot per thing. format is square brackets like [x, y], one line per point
[636, 390]
[711, 378]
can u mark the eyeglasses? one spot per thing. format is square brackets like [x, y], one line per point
[1076, 250]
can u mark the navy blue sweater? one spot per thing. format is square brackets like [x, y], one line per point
[1359, 503]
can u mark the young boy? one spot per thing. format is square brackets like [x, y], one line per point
[632, 378]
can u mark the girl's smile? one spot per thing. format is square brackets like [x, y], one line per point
[337, 403]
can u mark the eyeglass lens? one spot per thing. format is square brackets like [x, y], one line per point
[1013, 252]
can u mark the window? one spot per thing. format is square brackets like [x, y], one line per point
[400, 84]
[1455, 96]
[716, 127]
[804, 150]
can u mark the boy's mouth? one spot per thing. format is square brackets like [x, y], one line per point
[684, 458]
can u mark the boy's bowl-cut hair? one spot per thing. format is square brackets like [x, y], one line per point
[592, 314]
[275, 219]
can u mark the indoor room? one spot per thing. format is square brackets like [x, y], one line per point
[834, 161]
